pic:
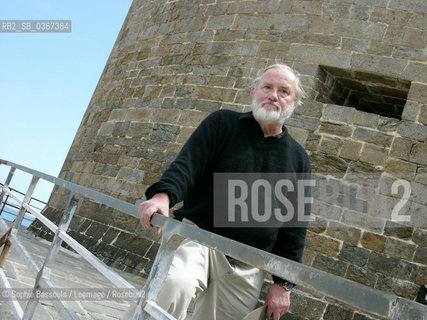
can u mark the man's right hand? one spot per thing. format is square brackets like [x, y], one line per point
[159, 203]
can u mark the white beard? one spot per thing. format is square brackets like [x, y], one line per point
[270, 117]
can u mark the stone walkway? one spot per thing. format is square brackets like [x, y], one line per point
[69, 271]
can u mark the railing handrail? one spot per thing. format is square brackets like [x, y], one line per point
[23, 194]
[112, 202]
[352, 293]
[60, 235]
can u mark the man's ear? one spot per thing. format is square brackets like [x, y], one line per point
[252, 92]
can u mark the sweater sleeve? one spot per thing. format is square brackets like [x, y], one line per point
[291, 240]
[290, 244]
[191, 163]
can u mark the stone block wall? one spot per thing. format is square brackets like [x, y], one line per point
[364, 125]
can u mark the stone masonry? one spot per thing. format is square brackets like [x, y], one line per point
[364, 124]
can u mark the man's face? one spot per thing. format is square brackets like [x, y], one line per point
[273, 100]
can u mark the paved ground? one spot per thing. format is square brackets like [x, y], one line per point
[70, 271]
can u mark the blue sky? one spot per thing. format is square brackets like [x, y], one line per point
[47, 80]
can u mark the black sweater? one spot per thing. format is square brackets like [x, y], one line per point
[228, 141]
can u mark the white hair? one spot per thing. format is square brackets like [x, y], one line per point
[299, 94]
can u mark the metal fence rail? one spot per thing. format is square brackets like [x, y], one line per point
[41, 273]
[361, 297]
[7, 205]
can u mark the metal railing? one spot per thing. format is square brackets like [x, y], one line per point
[42, 273]
[356, 295]
[9, 208]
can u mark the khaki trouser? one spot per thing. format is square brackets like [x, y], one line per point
[224, 290]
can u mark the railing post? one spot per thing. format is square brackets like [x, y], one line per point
[22, 210]
[63, 226]
[51, 255]
[169, 243]
[7, 182]
[4, 204]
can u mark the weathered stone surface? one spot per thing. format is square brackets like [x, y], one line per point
[373, 154]
[418, 93]
[401, 169]
[132, 243]
[418, 215]
[377, 64]
[307, 7]
[80, 224]
[303, 122]
[412, 130]
[398, 248]
[334, 312]
[398, 230]
[410, 111]
[422, 118]
[312, 142]
[311, 308]
[320, 55]
[318, 225]
[300, 135]
[354, 255]
[338, 113]
[330, 145]
[374, 137]
[374, 224]
[382, 263]
[326, 164]
[419, 153]
[96, 230]
[350, 150]
[357, 45]
[341, 130]
[413, 5]
[325, 210]
[164, 132]
[421, 255]
[421, 175]
[310, 109]
[359, 316]
[343, 232]
[388, 124]
[308, 257]
[322, 244]
[110, 235]
[363, 174]
[418, 193]
[420, 237]
[384, 207]
[361, 275]
[421, 275]
[401, 148]
[372, 31]
[373, 241]
[399, 287]
[408, 271]
[330, 265]
[365, 119]
[380, 47]
[129, 174]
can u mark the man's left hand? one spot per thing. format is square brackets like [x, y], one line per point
[278, 301]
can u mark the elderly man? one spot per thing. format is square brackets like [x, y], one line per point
[228, 141]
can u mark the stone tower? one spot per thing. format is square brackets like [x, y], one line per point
[364, 67]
